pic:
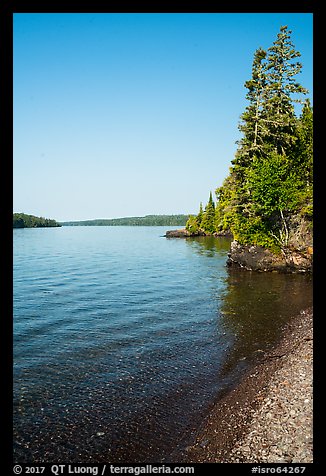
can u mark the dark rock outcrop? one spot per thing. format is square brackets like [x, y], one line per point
[257, 258]
[182, 233]
[297, 257]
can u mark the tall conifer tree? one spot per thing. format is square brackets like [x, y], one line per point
[252, 125]
[282, 68]
[208, 221]
[271, 175]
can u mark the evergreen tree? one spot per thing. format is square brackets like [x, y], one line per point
[303, 152]
[192, 225]
[208, 220]
[199, 217]
[194, 222]
[270, 131]
[228, 200]
[282, 68]
[252, 124]
[270, 179]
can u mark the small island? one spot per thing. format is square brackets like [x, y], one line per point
[22, 220]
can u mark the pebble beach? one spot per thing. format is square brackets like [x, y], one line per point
[268, 417]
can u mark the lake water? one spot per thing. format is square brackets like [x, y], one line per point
[124, 339]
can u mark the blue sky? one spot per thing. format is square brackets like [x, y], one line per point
[133, 114]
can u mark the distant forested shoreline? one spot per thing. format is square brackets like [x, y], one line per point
[148, 220]
[22, 220]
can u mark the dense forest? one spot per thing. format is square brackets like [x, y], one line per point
[148, 220]
[269, 189]
[22, 220]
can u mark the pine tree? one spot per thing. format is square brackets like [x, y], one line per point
[270, 179]
[268, 122]
[208, 220]
[252, 125]
[303, 151]
[199, 217]
[254, 128]
[266, 185]
[193, 224]
[227, 202]
[281, 86]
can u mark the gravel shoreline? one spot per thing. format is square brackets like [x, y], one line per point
[267, 418]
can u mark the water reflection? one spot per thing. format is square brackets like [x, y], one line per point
[253, 308]
[256, 306]
[209, 245]
[129, 363]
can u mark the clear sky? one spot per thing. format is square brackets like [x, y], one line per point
[133, 114]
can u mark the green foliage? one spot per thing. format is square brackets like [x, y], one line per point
[273, 185]
[200, 215]
[305, 207]
[252, 125]
[272, 190]
[302, 153]
[282, 91]
[22, 220]
[228, 200]
[204, 222]
[207, 224]
[192, 225]
[253, 231]
[270, 179]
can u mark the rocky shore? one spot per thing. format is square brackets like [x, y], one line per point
[184, 233]
[257, 258]
[267, 418]
[180, 233]
[297, 258]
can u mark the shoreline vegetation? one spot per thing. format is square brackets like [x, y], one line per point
[267, 417]
[266, 201]
[266, 206]
[23, 220]
[259, 258]
[148, 220]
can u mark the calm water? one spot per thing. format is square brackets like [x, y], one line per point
[123, 339]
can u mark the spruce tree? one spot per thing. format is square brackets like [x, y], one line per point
[303, 150]
[199, 217]
[208, 220]
[252, 125]
[282, 68]
[254, 128]
[270, 179]
[265, 184]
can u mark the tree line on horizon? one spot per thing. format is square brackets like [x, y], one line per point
[148, 220]
[23, 220]
[271, 176]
